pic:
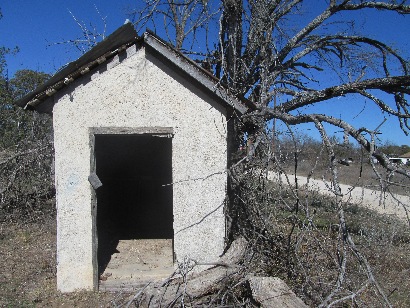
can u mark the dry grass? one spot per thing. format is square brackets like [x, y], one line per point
[28, 279]
[357, 174]
[28, 254]
[384, 240]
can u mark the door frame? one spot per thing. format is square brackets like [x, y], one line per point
[167, 132]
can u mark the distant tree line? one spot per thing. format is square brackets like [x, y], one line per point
[26, 150]
[393, 150]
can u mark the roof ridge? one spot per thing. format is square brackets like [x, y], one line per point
[117, 42]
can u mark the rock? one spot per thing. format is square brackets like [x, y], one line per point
[273, 292]
[267, 291]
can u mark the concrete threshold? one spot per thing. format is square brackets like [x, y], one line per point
[137, 262]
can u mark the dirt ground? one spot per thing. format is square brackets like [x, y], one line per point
[28, 270]
[356, 174]
[28, 266]
[388, 204]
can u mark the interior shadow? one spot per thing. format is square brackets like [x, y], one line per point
[135, 200]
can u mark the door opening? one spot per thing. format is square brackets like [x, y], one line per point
[134, 207]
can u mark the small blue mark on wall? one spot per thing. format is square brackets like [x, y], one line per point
[73, 181]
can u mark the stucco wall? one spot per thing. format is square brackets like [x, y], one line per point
[136, 92]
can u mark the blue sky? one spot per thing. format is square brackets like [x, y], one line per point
[36, 25]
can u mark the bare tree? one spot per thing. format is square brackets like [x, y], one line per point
[273, 53]
[263, 58]
[90, 34]
[182, 19]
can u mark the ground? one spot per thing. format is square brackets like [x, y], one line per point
[28, 279]
[356, 174]
[28, 254]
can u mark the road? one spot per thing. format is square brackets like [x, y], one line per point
[387, 204]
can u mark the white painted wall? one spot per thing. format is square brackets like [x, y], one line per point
[137, 93]
[401, 160]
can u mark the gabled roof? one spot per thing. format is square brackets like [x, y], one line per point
[116, 43]
[405, 155]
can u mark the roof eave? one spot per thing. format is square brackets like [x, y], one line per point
[120, 40]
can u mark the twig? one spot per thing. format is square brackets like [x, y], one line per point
[137, 294]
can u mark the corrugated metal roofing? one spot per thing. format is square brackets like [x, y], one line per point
[405, 155]
[117, 42]
[122, 36]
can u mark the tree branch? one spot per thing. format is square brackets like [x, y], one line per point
[387, 84]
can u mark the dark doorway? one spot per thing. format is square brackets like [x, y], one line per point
[135, 200]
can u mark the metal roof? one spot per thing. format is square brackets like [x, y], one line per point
[116, 43]
[405, 155]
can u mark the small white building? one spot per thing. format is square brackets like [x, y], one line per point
[156, 130]
[402, 159]
[405, 158]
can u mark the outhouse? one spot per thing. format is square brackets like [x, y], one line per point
[142, 137]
